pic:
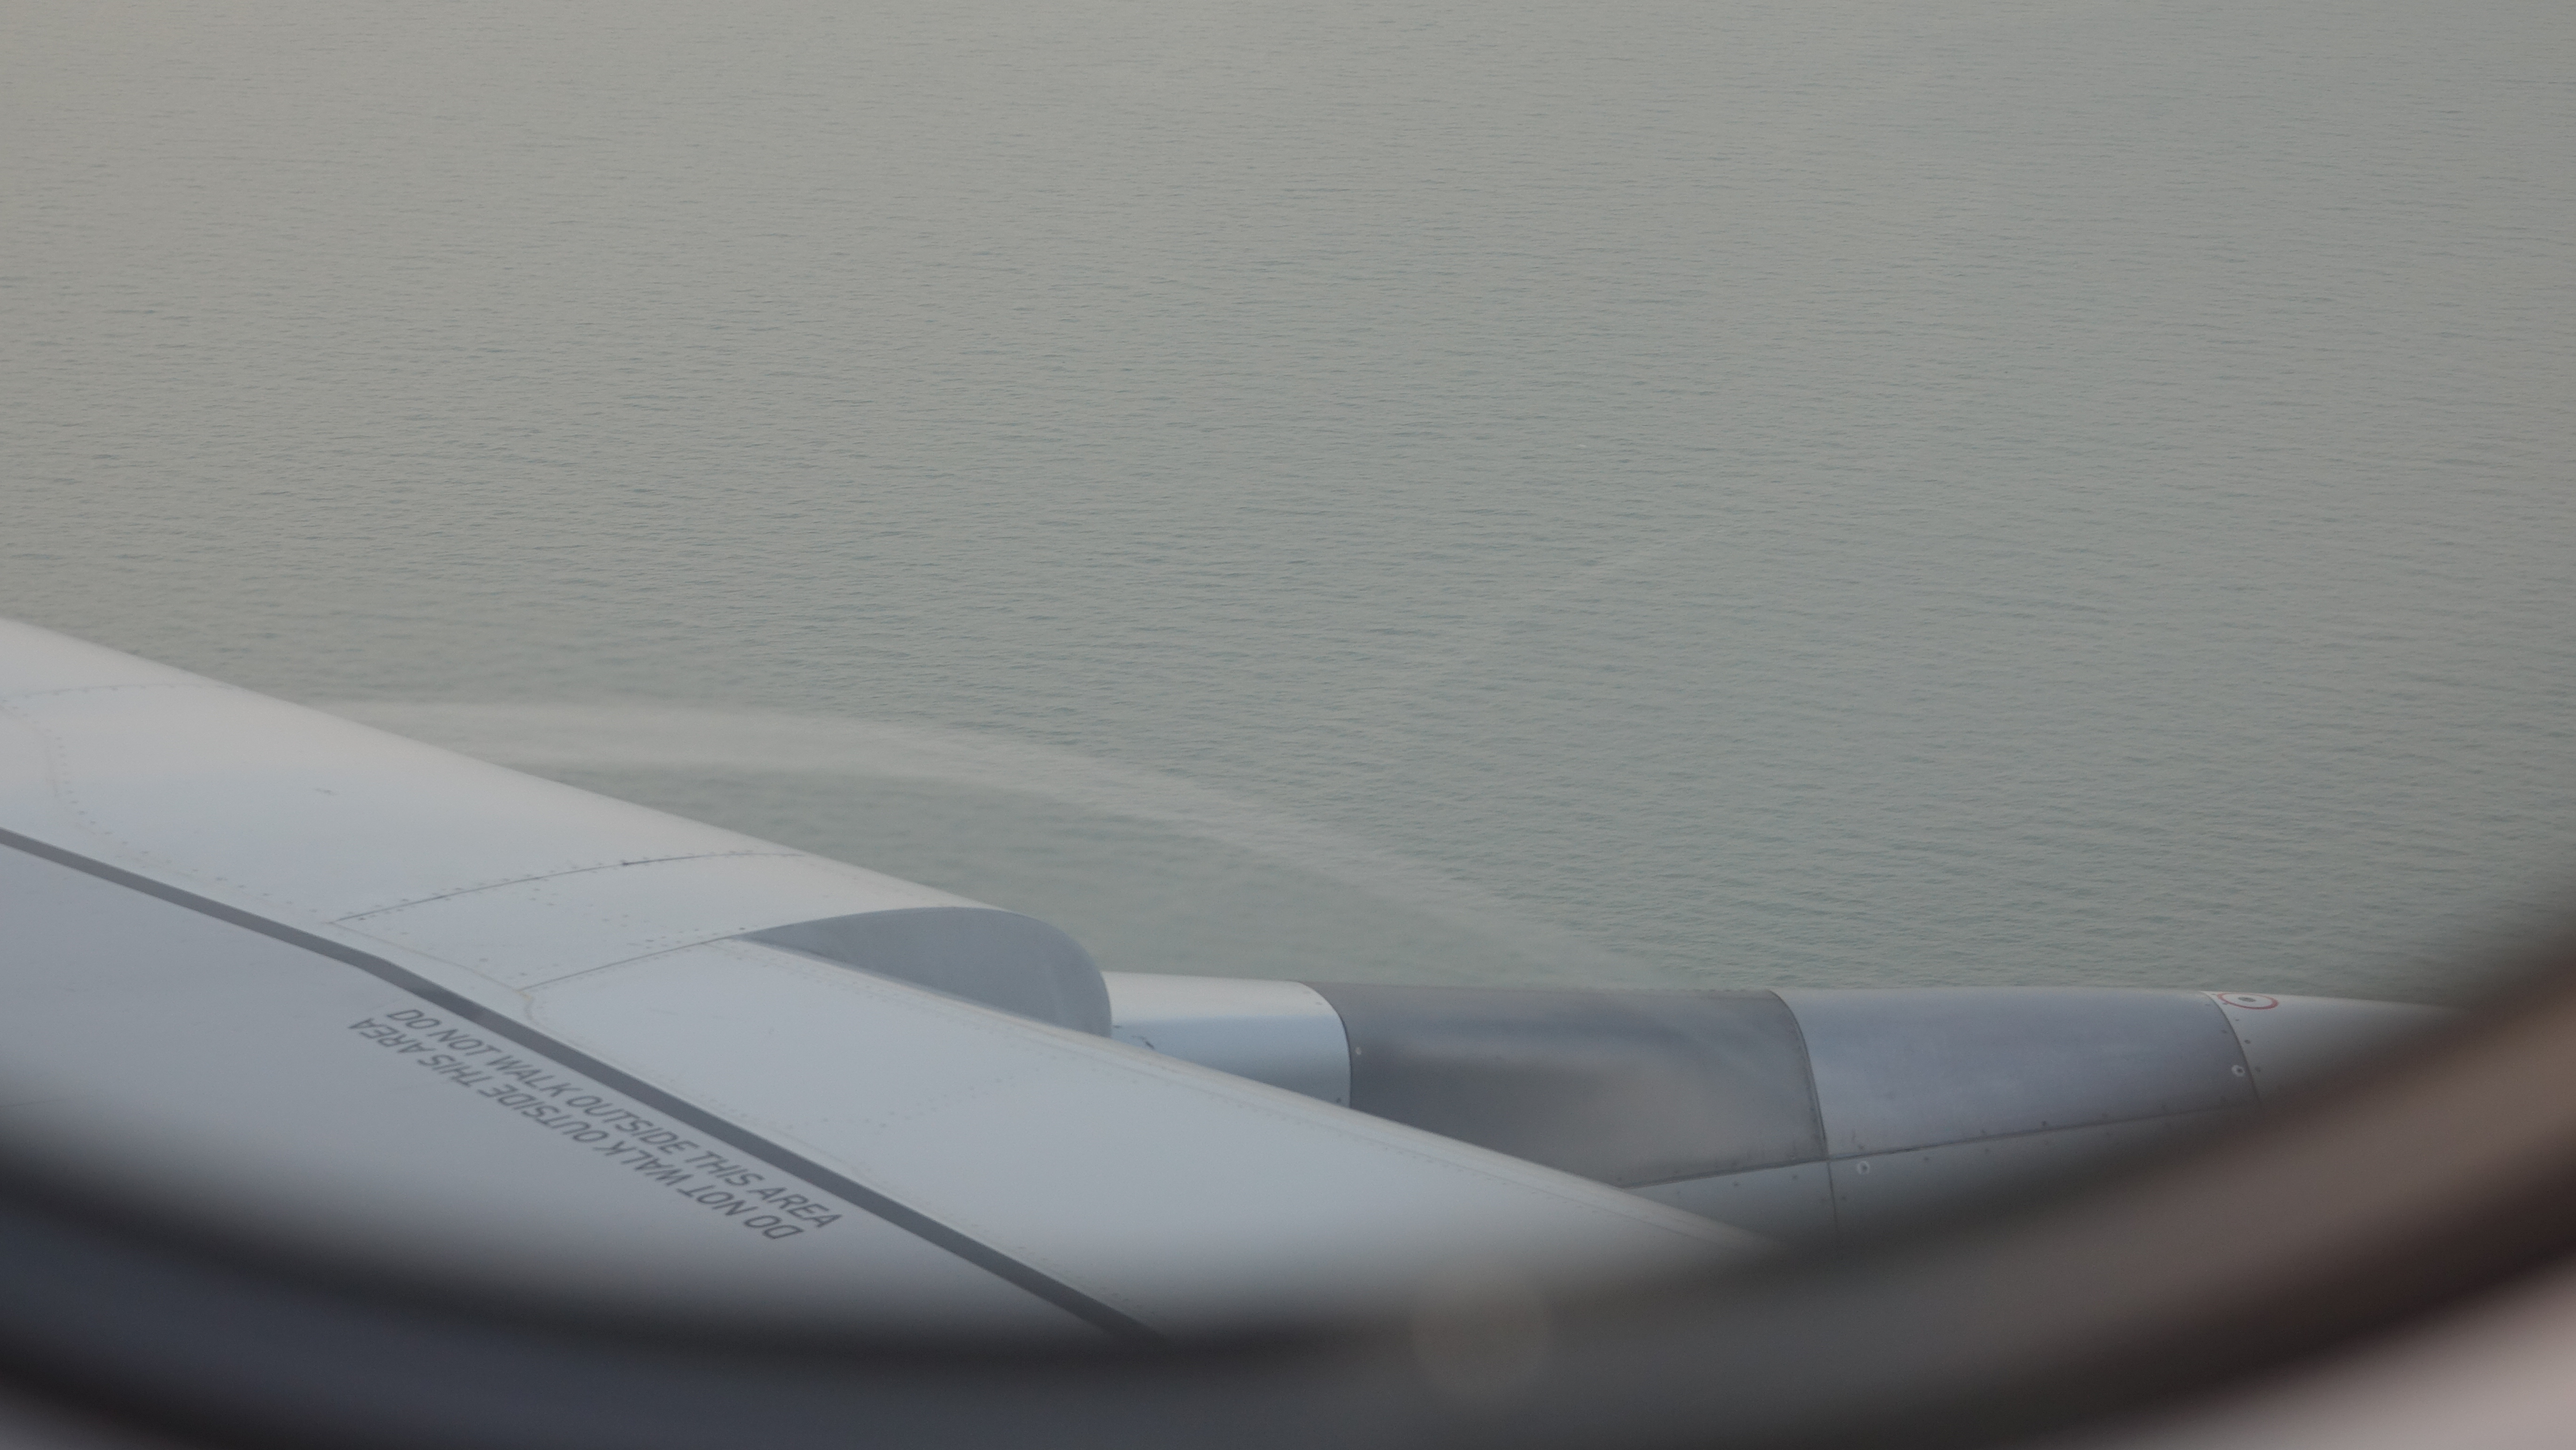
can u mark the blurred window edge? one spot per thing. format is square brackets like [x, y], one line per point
[2438, 1173]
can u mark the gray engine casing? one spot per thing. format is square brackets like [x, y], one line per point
[1805, 1115]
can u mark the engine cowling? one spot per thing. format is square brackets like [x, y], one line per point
[1806, 1115]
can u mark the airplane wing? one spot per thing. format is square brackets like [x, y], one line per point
[401, 1006]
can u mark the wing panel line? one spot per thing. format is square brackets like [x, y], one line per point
[993, 1261]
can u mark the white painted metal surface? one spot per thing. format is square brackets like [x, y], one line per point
[1185, 1196]
[281, 1093]
[332, 821]
[1123, 1172]
[1880, 1191]
[1902, 1068]
[1793, 1204]
[525, 932]
[1914, 1102]
[2291, 1042]
[1281, 1033]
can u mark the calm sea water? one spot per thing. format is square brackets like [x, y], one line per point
[1953, 491]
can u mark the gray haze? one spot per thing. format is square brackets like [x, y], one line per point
[1713, 493]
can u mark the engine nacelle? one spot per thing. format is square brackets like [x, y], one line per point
[1801, 1114]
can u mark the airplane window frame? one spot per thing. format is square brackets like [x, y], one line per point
[2439, 1171]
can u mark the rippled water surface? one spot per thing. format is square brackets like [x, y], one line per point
[1728, 493]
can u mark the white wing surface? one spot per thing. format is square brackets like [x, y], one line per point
[326, 983]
